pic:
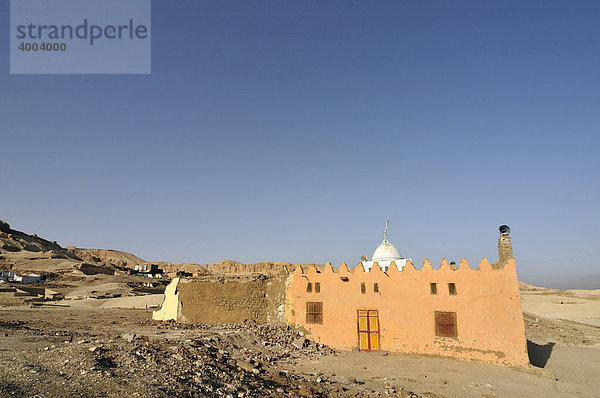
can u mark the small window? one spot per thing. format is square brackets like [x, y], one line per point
[363, 288]
[445, 324]
[309, 288]
[317, 287]
[433, 288]
[452, 289]
[314, 313]
[376, 287]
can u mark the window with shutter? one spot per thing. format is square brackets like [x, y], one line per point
[314, 313]
[452, 289]
[433, 288]
[445, 324]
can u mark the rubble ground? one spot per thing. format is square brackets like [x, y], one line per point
[60, 352]
[110, 352]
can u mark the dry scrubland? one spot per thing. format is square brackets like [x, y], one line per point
[100, 342]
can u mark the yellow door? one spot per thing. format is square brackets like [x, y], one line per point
[368, 330]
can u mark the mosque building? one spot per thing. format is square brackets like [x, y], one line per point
[385, 254]
[385, 303]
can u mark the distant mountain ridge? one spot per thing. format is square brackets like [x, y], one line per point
[108, 256]
[22, 252]
[19, 250]
[13, 241]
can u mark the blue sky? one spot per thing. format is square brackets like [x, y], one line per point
[289, 131]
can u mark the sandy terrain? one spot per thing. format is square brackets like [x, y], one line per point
[581, 306]
[571, 371]
[150, 301]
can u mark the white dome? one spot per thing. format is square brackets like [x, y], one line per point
[386, 251]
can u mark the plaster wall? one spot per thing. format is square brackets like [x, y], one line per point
[487, 304]
[170, 305]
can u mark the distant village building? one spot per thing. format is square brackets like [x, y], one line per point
[90, 269]
[21, 294]
[460, 312]
[10, 276]
[148, 271]
[32, 278]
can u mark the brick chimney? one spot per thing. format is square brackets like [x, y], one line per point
[505, 251]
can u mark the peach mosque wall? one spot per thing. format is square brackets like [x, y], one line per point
[488, 319]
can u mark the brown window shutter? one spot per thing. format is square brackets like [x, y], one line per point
[445, 324]
[314, 313]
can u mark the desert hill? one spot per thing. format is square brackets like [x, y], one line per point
[586, 294]
[68, 272]
[265, 268]
[29, 253]
[15, 241]
[77, 273]
[107, 256]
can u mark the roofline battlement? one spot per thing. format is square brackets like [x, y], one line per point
[463, 266]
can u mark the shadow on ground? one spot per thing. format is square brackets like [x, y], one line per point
[539, 354]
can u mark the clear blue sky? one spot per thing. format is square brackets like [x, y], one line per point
[280, 130]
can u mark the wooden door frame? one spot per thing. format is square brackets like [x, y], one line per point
[358, 331]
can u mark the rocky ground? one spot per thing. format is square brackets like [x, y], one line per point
[56, 351]
[74, 349]
[66, 353]
[568, 333]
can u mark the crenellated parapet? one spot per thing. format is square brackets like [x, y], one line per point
[381, 304]
[409, 268]
[413, 307]
[460, 281]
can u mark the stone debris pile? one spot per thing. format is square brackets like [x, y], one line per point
[542, 330]
[282, 341]
[168, 360]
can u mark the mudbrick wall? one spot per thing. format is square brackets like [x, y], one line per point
[232, 299]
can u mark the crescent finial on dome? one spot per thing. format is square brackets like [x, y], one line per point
[387, 223]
